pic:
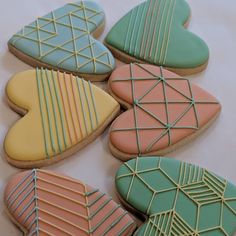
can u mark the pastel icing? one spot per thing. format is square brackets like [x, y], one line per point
[178, 198]
[62, 111]
[48, 203]
[63, 39]
[165, 109]
[154, 32]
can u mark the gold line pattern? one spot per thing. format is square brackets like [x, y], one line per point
[155, 17]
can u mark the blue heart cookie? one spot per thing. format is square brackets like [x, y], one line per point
[63, 39]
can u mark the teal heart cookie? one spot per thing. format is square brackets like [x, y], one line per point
[154, 32]
[64, 39]
[177, 198]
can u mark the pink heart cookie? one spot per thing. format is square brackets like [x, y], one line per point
[165, 111]
[47, 203]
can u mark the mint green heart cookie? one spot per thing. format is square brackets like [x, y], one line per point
[154, 32]
[64, 39]
[177, 198]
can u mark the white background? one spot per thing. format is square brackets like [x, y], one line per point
[213, 20]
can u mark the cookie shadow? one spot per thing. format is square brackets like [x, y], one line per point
[12, 64]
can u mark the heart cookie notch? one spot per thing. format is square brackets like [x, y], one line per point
[62, 114]
[177, 198]
[164, 112]
[155, 32]
[64, 40]
[47, 203]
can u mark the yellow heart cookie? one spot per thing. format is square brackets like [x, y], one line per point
[64, 113]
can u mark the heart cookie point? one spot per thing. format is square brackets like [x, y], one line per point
[154, 32]
[63, 39]
[62, 114]
[169, 191]
[45, 202]
[166, 111]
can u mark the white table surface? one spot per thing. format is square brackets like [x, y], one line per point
[213, 20]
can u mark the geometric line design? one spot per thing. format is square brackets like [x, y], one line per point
[164, 125]
[171, 191]
[63, 39]
[46, 203]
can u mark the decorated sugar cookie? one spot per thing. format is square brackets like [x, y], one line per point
[165, 111]
[155, 32]
[64, 40]
[177, 198]
[63, 113]
[47, 203]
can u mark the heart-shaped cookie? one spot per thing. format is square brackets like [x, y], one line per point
[177, 198]
[64, 40]
[165, 111]
[47, 203]
[63, 113]
[154, 32]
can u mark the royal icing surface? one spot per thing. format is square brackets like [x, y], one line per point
[178, 198]
[63, 39]
[47, 203]
[154, 32]
[63, 110]
[165, 109]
